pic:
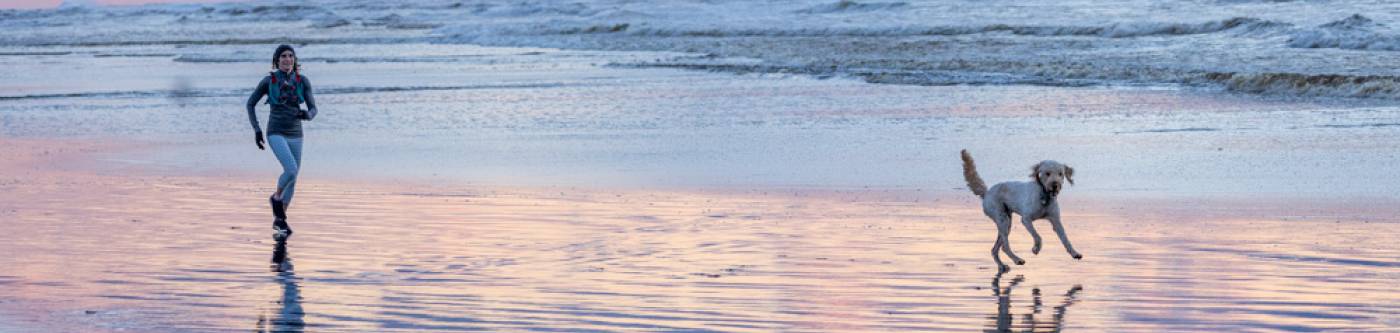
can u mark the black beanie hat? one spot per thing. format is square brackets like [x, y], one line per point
[280, 48]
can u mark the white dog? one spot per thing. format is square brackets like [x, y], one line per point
[1033, 200]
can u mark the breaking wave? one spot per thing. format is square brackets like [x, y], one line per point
[1362, 86]
[847, 6]
[1354, 33]
[999, 72]
[533, 9]
[1241, 25]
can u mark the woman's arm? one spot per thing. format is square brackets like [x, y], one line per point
[310, 98]
[258, 94]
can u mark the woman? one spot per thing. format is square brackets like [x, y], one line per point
[286, 90]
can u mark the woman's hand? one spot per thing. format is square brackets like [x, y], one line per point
[258, 139]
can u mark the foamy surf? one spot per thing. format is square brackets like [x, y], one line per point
[1356, 32]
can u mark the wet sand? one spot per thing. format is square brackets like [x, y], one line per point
[101, 251]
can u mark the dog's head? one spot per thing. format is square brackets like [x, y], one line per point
[1052, 175]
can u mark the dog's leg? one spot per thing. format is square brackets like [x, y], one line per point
[1001, 268]
[1060, 231]
[1004, 231]
[1030, 227]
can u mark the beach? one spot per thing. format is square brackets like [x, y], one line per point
[167, 253]
[607, 166]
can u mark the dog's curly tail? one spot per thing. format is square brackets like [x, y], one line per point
[974, 181]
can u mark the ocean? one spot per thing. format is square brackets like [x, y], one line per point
[706, 93]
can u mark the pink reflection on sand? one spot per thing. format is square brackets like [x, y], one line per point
[109, 251]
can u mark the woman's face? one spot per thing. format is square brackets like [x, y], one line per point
[286, 61]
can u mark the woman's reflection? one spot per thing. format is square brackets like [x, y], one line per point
[287, 315]
[1029, 323]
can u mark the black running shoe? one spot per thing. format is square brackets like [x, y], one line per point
[281, 228]
[279, 210]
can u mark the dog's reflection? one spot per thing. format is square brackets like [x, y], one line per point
[1032, 321]
[285, 315]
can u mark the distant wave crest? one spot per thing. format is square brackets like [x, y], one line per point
[1354, 33]
[847, 6]
[1243, 25]
[998, 72]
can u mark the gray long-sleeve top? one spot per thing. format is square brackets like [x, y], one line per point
[283, 119]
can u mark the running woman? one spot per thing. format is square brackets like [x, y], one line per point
[286, 89]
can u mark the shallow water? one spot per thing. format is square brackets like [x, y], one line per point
[189, 254]
[506, 116]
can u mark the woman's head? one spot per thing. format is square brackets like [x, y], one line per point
[285, 58]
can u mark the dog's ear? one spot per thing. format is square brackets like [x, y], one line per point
[1069, 174]
[1035, 170]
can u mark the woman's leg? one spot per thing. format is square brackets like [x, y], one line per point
[294, 144]
[282, 147]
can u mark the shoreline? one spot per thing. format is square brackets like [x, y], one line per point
[74, 157]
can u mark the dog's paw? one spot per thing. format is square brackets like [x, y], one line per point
[1020, 262]
[1035, 249]
[1078, 256]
